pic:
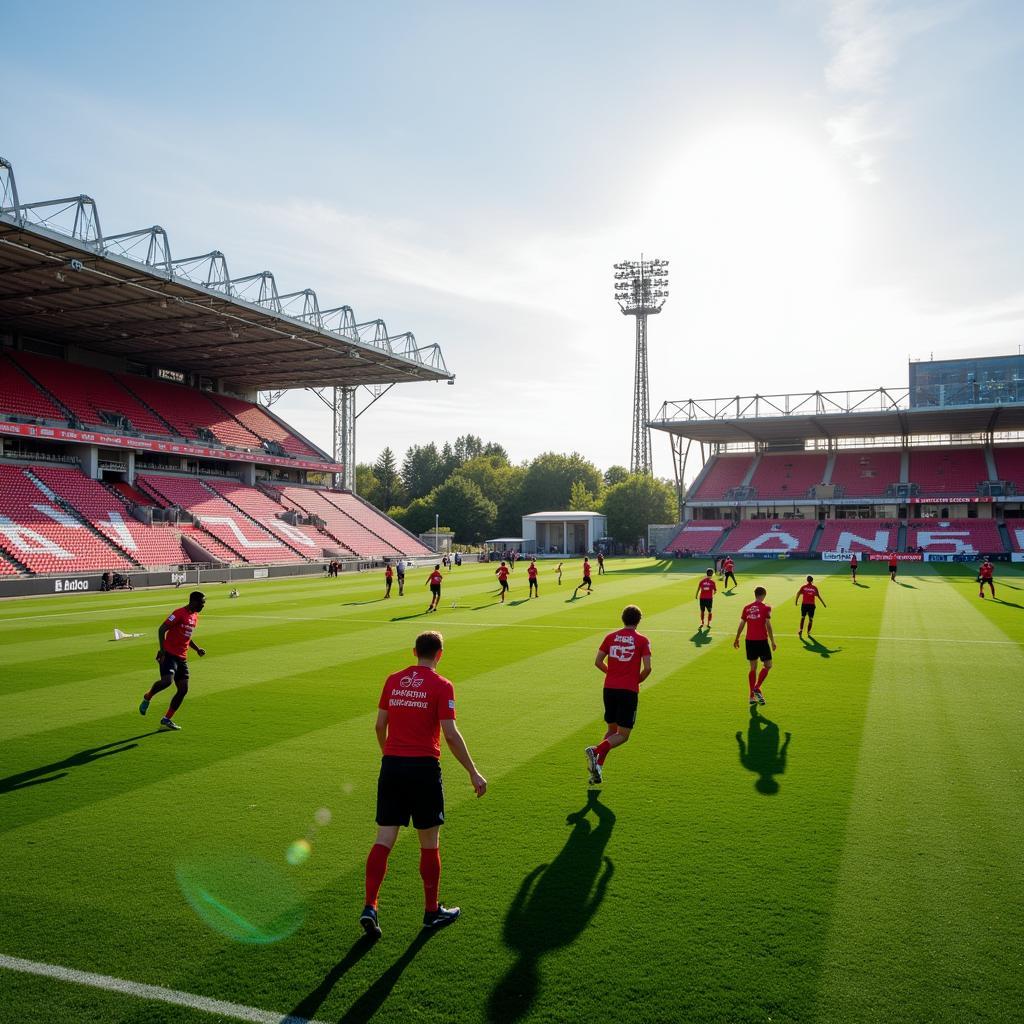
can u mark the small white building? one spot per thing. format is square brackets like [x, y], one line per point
[563, 533]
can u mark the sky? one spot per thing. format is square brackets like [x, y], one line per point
[835, 184]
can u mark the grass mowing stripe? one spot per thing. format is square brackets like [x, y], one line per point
[233, 1011]
[929, 905]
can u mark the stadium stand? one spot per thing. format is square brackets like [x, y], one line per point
[1010, 466]
[263, 425]
[377, 523]
[788, 476]
[6, 569]
[698, 537]
[1015, 528]
[763, 535]
[859, 535]
[950, 471]
[148, 545]
[88, 393]
[42, 535]
[866, 474]
[20, 397]
[727, 472]
[248, 540]
[341, 526]
[217, 551]
[954, 536]
[306, 540]
[131, 495]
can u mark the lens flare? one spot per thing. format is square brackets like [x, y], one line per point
[322, 816]
[298, 853]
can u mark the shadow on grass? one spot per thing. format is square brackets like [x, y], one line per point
[553, 905]
[700, 638]
[479, 607]
[1007, 604]
[45, 773]
[415, 615]
[356, 604]
[862, 586]
[761, 753]
[306, 1008]
[813, 646]
[516, 604]
[909, 586]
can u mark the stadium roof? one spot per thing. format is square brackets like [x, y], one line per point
[884, 412]
[123, 295]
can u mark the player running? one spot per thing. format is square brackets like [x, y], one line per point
[502, 573]
[175, 638]
[728, 573]
[805, 597]
[893, 566]
[389, 575]
[559, 571]
[757, 618]
[985, 573]
[434, 582]
[531, 575]
[415, 707]
[853, 568]
[628, 656]
[706, 589]
[586, 578]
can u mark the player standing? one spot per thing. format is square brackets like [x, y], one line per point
[628, 656]
[502, 573]
[600, 563]
[586, 577]
[389, 575]
[757, 618]
[175, 638]
[805, 597]
[531, 575]
[893, 566]
[985, 573]
[728, 567]
[853, 567]
[706, 589]
[415, 706]
[559, 571]
[434, 582]
[400, 573]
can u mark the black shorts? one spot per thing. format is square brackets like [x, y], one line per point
[533, 581]
[586, 581]
[435, 588]
[620, 707]
[504, 584]
[172, 665]
[807, 610]
[705, 604]
[410, 787]
[759, 650]
[892, 568]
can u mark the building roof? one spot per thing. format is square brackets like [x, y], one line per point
[559, 516]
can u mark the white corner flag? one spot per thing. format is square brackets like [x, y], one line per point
[121, 635]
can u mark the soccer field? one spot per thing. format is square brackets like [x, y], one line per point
[870, 872]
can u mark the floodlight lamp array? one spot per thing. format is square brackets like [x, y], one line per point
[641, 284]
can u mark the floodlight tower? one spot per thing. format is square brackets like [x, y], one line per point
[641, 288]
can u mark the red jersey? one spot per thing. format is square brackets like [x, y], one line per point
[417, 700]
[182, 622]
[586, 569]
[435, 578]
[756, 616]
[986, 570]
[502, 573]
[707, 588]
[625, 649]
[728, 565]
[892, 561]
[853, 561]
[532, 572]
[808, 592]
[388, 574]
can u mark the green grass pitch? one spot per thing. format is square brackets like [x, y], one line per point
[880, 881]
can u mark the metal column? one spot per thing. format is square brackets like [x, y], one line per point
[641, 448]
[345, 436]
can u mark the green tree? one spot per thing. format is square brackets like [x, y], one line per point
[615, 475]
[580, 499]
[389, 483]
[634, 504]
[422, 470]
[547, 486]
[417, 516]
[367, 484]
[500, 483]
[461, 505]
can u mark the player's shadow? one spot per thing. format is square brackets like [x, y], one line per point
[356, 604]
[480, 607]
[862, 586]
[728, 593]
[813, 646]
[700, 638]
[59, 769]
[761, 752]
[402, 618]
[909, 586]
[1008, 604]
[515, 604]
[554, 904]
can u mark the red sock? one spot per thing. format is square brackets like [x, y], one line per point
[601, 750]
[376, 869]
[430, 872]
[752, 679]
[761, 675]
[169, 713]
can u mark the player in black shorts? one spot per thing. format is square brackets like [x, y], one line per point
[756, 619]
[586, 578]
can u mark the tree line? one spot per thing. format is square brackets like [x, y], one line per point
[476, 491]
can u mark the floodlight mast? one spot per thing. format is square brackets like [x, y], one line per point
[641, 288]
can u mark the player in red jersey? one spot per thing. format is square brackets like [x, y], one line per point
[728, 572]
[502, 573]
[531, 575]
[706, 590]
[853, 567]
[434, 582]
[893, 566]
[805, 597]
[628, 657]
[985, 573]
[586, 578]
[415, 707]
[175, 639]
[757, 617]
[389, 575]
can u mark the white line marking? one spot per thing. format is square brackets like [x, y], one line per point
[163, 995]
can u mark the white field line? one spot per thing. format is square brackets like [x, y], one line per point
[650, 629]
[155, 992]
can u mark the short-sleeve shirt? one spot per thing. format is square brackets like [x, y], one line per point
[388, 573]
[986, 571]
[853, 561]
[532, 572]
[502, 572]
[182, 621]
[586, 568]
[756, 616]
[892, 560]
[625, 649]
[728, 565]
[417, 700]
[708, 588]
[808, 592]
[435, 578]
